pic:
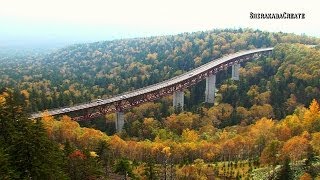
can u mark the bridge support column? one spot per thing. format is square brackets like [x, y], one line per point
[210, 89]
[119, 121]
[178, 100]
[235, 72]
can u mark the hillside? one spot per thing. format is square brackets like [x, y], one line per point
[189, 144]
[83, 72]
[264, 126]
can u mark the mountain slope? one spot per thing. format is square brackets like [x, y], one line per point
[83, 72]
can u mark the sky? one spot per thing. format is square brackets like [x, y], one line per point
[62, 22]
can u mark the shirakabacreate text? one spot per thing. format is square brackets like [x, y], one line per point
[283, 15]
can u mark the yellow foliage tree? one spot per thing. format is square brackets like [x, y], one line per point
[311, 118]
[189, 135]
[49, 124]
[315, 142]
[314, 107]
[69, 130]
[181, 121]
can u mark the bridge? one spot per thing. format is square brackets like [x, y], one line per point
[174, 86]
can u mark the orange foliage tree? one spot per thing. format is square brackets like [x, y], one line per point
[296, 148]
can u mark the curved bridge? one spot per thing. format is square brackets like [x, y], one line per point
[173, 86]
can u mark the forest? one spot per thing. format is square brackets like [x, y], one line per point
[84, 72]
[265, 126]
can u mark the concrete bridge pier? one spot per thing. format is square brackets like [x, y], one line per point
[119, 121]
[178, 100]
[210, 89]
[235, 72]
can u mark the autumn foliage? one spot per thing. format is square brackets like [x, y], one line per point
[270, 118]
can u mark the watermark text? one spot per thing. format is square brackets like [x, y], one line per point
[284, 15]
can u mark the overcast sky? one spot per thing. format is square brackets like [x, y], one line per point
[69, 21]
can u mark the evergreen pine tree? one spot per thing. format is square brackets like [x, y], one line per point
[124, 167]
[29, 150]
[285, 172]
[150, 170]
[104, 155]
[6, 171]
